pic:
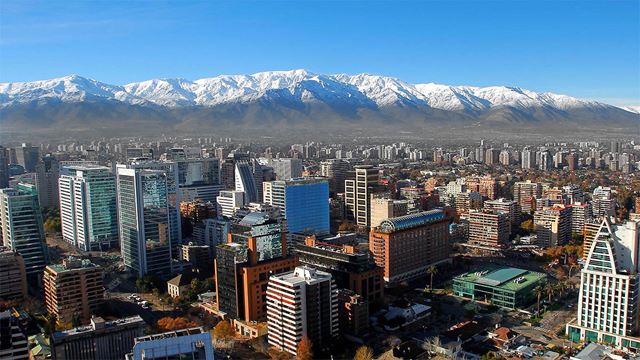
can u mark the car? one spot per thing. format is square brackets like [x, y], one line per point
[132, 296]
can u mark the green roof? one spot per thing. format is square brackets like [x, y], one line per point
[505, 278]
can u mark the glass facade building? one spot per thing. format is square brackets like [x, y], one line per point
[88, 208]
[303, 201]
[22, 229]
[146, 225]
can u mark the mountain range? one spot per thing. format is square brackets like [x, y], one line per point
[296, 98]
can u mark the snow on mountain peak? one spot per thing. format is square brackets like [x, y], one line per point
[296, 85]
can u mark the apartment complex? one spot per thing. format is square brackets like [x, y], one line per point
[73, 290]
[509, 208]
[88, 207]
[553, 225]
[13, 277]
[406, 246]
[489, 228]
[609, 302]
[525, 193]
[301, 303]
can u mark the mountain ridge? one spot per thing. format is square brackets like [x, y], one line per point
[295, 96]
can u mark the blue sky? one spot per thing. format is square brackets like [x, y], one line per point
[589, 49]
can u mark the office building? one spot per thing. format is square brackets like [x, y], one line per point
[589, 231]
[47, 173]
[191, 343]
[139, 153]
[4, 167]
[508, 207]
[88, 207]
[609, 301]
[382, 207]
[286, 168]
[256, 249]
[229, 201]
[147, 221]
[100, 340]
[199, 256]
[353, 312]
[22, 230]
[553, 225]
[303, 302]
[13, 337]
[245, 181]
[489, 228]
[73, 290]
[304, 203]
[28, 156]
[406, 246]
[199, 179]
[359, 186]
[509, 288]
[336, 171]
[351, 269]
[13, 277]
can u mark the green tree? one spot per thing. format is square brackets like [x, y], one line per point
[432, 270]
[539, 291]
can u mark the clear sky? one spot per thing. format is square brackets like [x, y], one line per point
[588, 49]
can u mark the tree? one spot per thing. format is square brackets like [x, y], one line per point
[169, 324]
[52, 225]
[363, 353]
[432, 270]
[539, 291]
[528, 226]
[305, 349]
[223, 331]
[550, 289]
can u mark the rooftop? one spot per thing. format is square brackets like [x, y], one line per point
[411, 221]
[98, 324]
[507, 278]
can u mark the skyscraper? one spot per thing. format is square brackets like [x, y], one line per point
[145, 216]
[47, 173]
[358, 188]
[528, 160]
[604, 204]
[245, 181]
[553, 225]
[28, 156]
[305, 300]
[304, 203]
[22, 230]
[4, 167]
[609, 302]
[88, 207]
[13, 278]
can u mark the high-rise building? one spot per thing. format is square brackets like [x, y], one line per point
[508, 207]
[229, 201]
[492, 156]
[146, 221]
[139, 153]
[609, 301]
[245, 181]
[47, 173]
[528, 159]
[73, 290]
[468, 200]
[525, 191]
[489, 228]
[589, 231]
[191, 343]
[553, 225]
[336, 171]
[88, 207]
[572, 194]
[304, 202]
[13, 278]
[199, 179]
[22, 229]
[580, 214]
[101, 340]
[286, 168]
[382, 207]
[604, 204]
[28, 156]
[256, 249]
[505, 158]
[351, 269]
[14, 344]
[358, 189]
[406, 246]
[353, 312]
[302, 303]
[4, 167]
[572, 162]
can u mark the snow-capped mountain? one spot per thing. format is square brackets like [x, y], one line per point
[298, 94]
